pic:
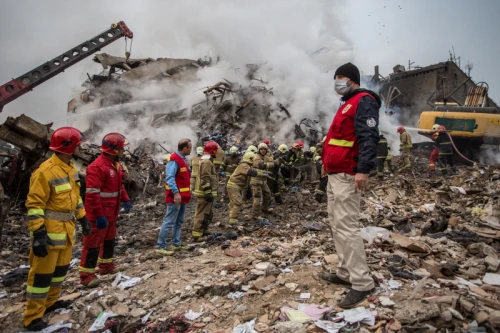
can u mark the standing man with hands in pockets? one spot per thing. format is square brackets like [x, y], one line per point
[349, 153]
[177, 195]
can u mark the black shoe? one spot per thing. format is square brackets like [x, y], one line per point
[36, 325]
[318, 197]
[58, 305]
[354, 297]
[333, 278]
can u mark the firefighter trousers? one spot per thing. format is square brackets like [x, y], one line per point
[202, 216]
[274, 187]
[260, 191]
[45, 279]
[98, 247]
[380, 165]
[406, 157]
[235, 204]
[433, 158]
[343, 214]
[446, 162]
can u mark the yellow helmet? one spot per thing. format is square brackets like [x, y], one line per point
[248, 157]
[233, 150]
[252, 148]
[262, 145]
[199, 150]
[166, 158]
[283, 148]
[317, 158]
[435, 127]
[313, 149]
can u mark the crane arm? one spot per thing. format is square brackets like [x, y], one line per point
[21, 85]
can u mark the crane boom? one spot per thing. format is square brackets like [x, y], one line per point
[20, 86]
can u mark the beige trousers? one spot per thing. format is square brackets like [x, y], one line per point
[343, 213]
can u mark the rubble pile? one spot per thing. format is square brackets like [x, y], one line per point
[431, 244]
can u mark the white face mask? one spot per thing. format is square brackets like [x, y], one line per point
[341, 87]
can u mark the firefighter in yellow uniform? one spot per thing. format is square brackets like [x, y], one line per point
[195, 167]
[53, 204]
[405, 146]
[205, 191]
[260, 189]
[237, 183]
[227, 168]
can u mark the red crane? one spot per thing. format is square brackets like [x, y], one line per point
[26, 82]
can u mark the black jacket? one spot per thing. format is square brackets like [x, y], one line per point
[366, 129]
[382, 147]
[443, 143]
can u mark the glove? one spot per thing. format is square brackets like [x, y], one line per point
[101, 222]
[127, 206]
[208, 197]
[40, 242]
[86, 226]
[262, 165]
[222, 173]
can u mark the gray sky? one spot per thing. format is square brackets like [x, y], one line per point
[32, 32]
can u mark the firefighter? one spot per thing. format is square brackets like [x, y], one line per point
[205, 191]
[308, 163]
[435, 152]
[405, 146]
[237, 183]
[103, 195]
[195, 166]
[382, 153]
[290, 160]
[227, 169]
[319, 148]
[53, 204]
[260, 189]
[273, 177]
[443, 143]
[323, 181]
[388, 169]
[219, 159]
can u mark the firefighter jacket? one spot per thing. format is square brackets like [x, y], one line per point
[443, 143]
[301, 158]
[206, 181]
[382, 147]
[182, 180]
[104, 189]
[195, 168]
[351, 142]
[269, 165]
[405, 139]
[290, 157]
[319, 149]
[319, 166]
[54, 201]
[220, 156]
[230, 164]
[239, 178]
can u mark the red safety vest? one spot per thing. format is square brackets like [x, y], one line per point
[340, 150]
[182, 180]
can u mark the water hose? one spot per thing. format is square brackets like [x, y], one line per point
[462, 156]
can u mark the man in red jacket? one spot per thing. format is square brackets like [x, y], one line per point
[102, 203]
[349, 153]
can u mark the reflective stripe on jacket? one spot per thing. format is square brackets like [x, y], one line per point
[104, 189]
[206, 181]
[54, 200]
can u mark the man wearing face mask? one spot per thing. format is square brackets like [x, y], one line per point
[349, 153]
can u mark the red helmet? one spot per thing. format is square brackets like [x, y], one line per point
[211, 148]
[401, 129]
[441, 129]
[301, 144]
[112, 143]
[295, 145]
[64, 140]
[267, 142]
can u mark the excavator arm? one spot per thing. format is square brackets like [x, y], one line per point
[21, 85]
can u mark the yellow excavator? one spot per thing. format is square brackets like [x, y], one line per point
[474, 128]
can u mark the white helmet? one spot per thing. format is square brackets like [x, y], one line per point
[166, 158]
[283, 148]
[252, 148]
[435, 127]
[199, 151]
[233, 150]
[262, 145]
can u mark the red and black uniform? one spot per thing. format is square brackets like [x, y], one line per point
[182, 180]
[102, 198]
[434, 154]
[351, 143]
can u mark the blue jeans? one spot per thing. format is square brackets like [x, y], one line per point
[172, 220]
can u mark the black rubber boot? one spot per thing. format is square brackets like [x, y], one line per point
[333, 278]
[36, 325]
[354, 297]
